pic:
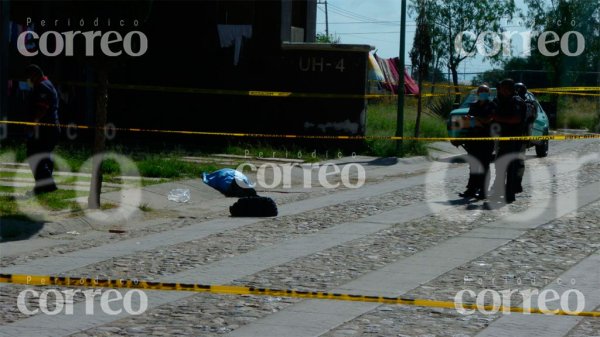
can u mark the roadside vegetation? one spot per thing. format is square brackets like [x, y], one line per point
[381, 121]
[170, 163]
[153, 168]
[578, 113]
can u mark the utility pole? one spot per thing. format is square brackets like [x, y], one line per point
[400, 117]
[4, 25]
[326, 19]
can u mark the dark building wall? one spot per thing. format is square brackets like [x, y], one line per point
[185, 50]
[304, 16]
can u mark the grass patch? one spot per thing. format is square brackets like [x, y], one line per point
[381, 121]
[578, 113]
[8, 206]
[55, 201]
[148, 164]
[108, 205]
[145, 207]
[160, 167]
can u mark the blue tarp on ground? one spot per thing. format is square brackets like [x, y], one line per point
[221, 180]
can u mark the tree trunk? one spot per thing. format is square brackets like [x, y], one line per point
[419, 106]
[99, 138]
[455, 82]
[435, 67]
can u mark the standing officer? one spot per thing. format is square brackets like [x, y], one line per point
[42, 107]
[509, 121]
[482, 111]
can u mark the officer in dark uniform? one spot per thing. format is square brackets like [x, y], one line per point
[42, 107]
[530, 117]
[510, 120]
[482, 111]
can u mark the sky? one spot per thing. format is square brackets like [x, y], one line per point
[377, 23]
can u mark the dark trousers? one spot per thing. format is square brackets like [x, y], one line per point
[511, 179]
[39, 156]
[479, 178]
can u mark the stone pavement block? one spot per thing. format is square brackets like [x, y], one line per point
[457, 248]
[64, 325]
[227, 270]
[493, 232]
[532, 325]
[239, 266]
[412, 212]
[57, 264]
[11, 248]
[277, 330]
[303, 321]
[586, 275]
[406, 274]
[364, 192]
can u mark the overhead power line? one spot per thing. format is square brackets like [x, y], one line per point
[350, 13]
[363, 33]
[367, 22]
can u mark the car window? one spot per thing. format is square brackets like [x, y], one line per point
[537, 104]
[472, 98]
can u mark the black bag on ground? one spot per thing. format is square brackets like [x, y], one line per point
[254, 207]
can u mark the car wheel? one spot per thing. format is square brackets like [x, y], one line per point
[542, 150]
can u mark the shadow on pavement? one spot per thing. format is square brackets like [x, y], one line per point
[453, 160]
[388, 161]
[456, 202]
[461, 159]
[16, 229]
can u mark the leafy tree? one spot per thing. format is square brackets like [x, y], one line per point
[561, 17]
[324, 38]
[528, 70]
[421, 56]
[449, 19]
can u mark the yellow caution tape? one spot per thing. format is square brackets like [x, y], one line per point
[449, 86]
[569, 89]
[45, 280]
[260, 135]
[563, 93]
[270, 93]
[283, 94]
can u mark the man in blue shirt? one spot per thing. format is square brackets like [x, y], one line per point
[42, 108]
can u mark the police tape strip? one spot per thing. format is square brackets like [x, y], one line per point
[258, 93]
[286, 94]
[437, 85]
[558, 92]
[46, 280]
[323, 137]
[571, 89]
[530, 89]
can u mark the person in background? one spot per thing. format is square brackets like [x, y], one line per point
[482, 111]
[42, 108]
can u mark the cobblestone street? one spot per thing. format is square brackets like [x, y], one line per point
[404, 233]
